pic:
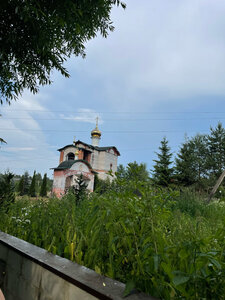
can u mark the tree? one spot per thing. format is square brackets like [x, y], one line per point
[26, 183]
[163, 173]
[20, 189]
[38, 182]
[38, 37]
[43, 192]
[199, 148]
[133, 172]
[121, 172]
[7, 195]
[216, 146]
[185, 165]
[79, 189]
[32, 189]
[101, 186]
[137, 172]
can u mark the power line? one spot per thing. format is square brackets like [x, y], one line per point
[87, 131]
[116, 112]
[124, 119]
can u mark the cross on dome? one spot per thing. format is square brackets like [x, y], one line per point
[96, 132]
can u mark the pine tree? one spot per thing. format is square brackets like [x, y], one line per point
[32, 190]
[216, 145]
[80, 189]
[185, 165]
[26, 183]
[137, 172]
[20, 189]
[43, 192]
[162, 172]
[7, 195]
[38, 182]
[199, 148]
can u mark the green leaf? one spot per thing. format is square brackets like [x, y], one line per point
[180, 279]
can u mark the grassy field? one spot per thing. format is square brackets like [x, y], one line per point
[163, 242]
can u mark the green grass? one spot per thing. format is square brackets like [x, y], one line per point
[165, 243]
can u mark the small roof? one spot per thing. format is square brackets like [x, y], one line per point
[71, 145]
[91, 147]
[67, 164]
[99, 148]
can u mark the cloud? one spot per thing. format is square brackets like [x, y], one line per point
[171, 50]
[27, 147]
[84, 115]
[15, 149]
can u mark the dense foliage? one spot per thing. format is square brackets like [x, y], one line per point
[199, 162]
[38, 36]
[159, 241]
[32, 186]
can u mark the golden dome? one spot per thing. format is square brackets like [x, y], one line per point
[96, 132]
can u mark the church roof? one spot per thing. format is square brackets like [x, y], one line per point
[91, 147]
[99, 148]
[67, 164]
[72, 145]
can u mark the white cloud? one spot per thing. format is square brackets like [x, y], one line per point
[15, 149]
[173, 49]
[27, 147]
[84, 115]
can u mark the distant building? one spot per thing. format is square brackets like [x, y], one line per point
[88, 160]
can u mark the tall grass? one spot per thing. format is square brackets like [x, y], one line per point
[166, 243]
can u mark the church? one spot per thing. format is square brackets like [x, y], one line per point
[86, 159]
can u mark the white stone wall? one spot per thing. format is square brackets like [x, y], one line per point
[95, 159]
[110, 158]
[105, 160]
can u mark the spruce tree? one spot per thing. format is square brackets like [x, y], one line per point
[38, 181]
[80, 189]
[199, 148]
[216, 146]
[43, 192]
[20, 189]
[32, 190]
[137, 172]
[7, 195]
[26, 183]
[162, 172]
[185, 165]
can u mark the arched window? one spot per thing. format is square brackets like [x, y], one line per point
[70, 156]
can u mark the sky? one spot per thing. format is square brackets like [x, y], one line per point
[161, 73]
